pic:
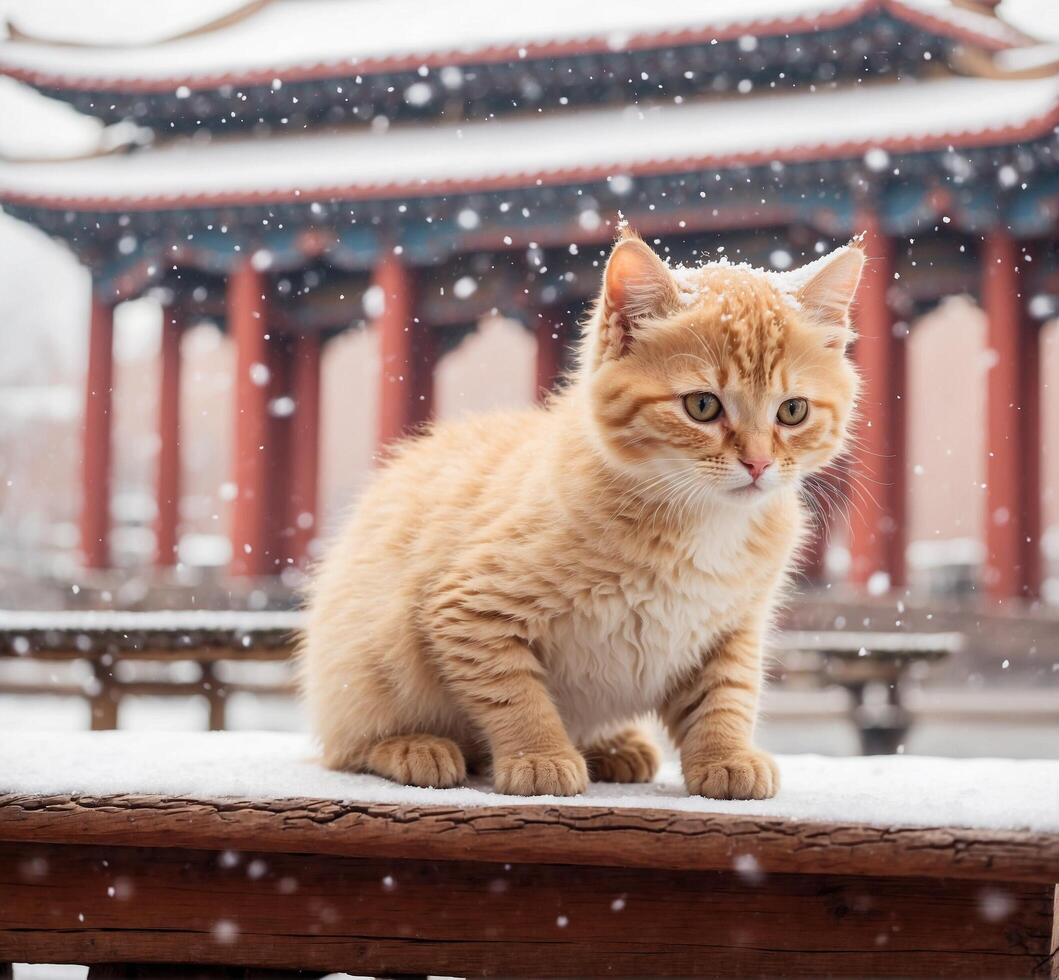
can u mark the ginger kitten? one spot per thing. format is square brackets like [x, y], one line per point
[516, 590]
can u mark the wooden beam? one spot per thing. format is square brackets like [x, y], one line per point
[167, 521]
[182, 971]
[1013, 433]
[629, 837]
[877, 521]
[247, 322]
[1054, 958]
[96, 449]
[200, 654]
[180, 634]
[380, 916]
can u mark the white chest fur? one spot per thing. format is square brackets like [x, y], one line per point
[615, 654]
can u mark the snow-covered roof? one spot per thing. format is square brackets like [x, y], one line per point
[571, 146]
[881, 790]
[321, 38]
[1035, 56]
[38, 128]
[116, 23]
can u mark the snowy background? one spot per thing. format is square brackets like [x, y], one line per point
[43, 315]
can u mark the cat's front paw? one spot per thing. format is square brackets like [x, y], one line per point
[741, 774]
[628, 757]
[562, 773]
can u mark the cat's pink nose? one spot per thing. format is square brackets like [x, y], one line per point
[755, 467]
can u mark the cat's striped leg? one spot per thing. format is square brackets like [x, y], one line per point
[711, 718]
[489, 668]
[627, 757]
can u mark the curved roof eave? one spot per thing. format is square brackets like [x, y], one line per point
[426, 162]
[933, 16]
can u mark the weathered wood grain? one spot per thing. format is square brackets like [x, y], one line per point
[185, 971]
[1055, 936]
[380, 916]
[591, 836]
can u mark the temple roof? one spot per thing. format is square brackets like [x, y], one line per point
[261, 39]
[558, 148]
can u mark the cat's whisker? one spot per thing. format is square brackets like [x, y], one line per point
[827, 506]
[676, 488]
[856, 442]
[642, 492]
[859, 502]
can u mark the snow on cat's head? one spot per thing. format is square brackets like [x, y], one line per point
[721, 379]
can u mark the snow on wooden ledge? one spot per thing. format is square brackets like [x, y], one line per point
[900, 791]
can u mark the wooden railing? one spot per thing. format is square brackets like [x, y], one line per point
[856, 661]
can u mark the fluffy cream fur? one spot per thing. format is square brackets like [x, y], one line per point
[515, 591]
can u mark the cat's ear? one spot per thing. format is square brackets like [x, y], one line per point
[637, 286]
[826, 294]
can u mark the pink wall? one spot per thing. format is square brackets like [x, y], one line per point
[947, 364]
[492, 368]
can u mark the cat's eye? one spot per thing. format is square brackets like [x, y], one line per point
[793, 411]
[702, 406]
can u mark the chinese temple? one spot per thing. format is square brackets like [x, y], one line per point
[293, 169]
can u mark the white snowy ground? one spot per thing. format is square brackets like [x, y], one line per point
[1000, 794]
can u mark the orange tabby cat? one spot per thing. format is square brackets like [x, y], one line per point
[519, 589]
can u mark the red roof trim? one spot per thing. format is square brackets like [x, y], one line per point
[495, 54]
[939, 24]
[996, 136]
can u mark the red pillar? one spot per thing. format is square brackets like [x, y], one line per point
[1013, 506]
[247, 323]
[877, 485]
[425, 355]
[167, 520]
[401, 403]
[279, 443]
[1033, 518]
[549, 331]
[1033, 439]
[95, 475]
[305, 459]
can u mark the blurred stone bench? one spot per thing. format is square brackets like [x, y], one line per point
[131, 851]
[871, 666]
[104, 639]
